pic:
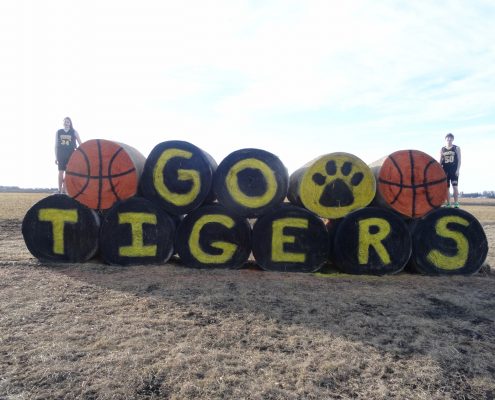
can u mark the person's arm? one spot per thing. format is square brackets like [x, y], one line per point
[458, 151]
[78, 139]
[441, 156]
[56, 147]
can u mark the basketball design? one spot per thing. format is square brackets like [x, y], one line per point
[101, 172]
[411, 182]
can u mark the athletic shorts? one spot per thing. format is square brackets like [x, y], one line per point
[451, 177]
[62, 161]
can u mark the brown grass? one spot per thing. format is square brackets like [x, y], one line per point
[483, 209]
[90, 331]
[15, 205]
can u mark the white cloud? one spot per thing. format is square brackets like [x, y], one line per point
[296, 78]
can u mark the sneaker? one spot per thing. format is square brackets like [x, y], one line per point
[456, 205]
[446, 204]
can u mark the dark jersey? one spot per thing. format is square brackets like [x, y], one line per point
[449, 158]
[66, 143]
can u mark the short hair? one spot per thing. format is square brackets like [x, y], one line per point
[449, 135]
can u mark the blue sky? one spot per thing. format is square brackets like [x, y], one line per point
[297, 78]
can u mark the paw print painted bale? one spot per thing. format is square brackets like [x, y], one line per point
[372, 241]
[410, 182]
[448, 241]
[251, 182]
[60, 229]
[332, 185]
[136, 231]
[178, 176]
[290, 239]
[213, 237]
[101, 172]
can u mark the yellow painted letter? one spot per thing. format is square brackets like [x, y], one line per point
[367, 239]
[177, 199]
[58, 218]
[457, 261]
[279, 239]
[137, 248]
[228, 249]
[235, 191]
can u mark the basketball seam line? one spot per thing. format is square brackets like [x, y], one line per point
[110, 164]
[427, 193]
[102, 177]
[413, 205]
[88, 167]
[401, 180]
[100, 170]
[412, 186]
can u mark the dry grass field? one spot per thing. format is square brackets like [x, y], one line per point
[91, 331]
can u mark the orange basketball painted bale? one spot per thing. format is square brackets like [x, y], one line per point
[411, 182]
[101, 172]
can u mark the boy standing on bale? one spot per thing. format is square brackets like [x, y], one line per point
[450, 158]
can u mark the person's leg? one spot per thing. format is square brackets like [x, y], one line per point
[448, 192]
[62, 165]
[60, 181]
[456, 192]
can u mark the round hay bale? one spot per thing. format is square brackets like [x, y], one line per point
[213, 237]
[372, 241]
[251, 182]
[448, 241]
[410, 182]
[332, 185]
[290, 239]
[60, 229]
[178, 176]
[332, 226]
[136, 231]
[101, 172]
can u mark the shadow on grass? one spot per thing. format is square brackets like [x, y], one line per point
[402, 314]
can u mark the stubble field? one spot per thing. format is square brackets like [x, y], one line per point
[91, 331]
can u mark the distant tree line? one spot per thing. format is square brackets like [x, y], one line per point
[17, 189]
[490, 194]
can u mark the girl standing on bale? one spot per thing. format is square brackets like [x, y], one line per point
[66, 141]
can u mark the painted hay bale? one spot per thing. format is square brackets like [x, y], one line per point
[410, 182]
[178, 176]
[61, 229]
[448, 241]
[290, 239]
[332, 226]
[372, 241]
[213, 237]
[332, 185]
[101, 172]
[251, 182]
[136, 231]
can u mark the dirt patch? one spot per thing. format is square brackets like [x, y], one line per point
[91, 331]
